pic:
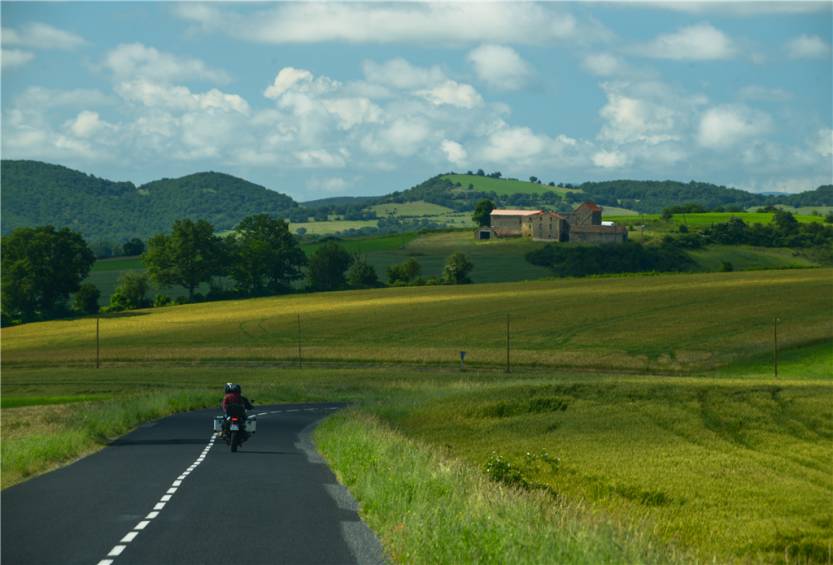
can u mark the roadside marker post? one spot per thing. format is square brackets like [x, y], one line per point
[300, 358]
[462, 360]
[508, 366]
[775, 346]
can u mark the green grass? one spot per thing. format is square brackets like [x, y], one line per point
[331, 227]
[729, 470]
[8, 401]
[614, 212]
[428, 508]
[410, 209]
[704, 220]
[504, 187]
[743, 257]
[118, 264]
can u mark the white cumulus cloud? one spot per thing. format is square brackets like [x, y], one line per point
[11, 58]
[725, 126]
[300, 80]
[500, 67]
[129, 61]
[454, 152]
[701, 42]
[823, 143]
[424, 23]
[452, 93]
[38, 35]
[610, 159]
[808, 47]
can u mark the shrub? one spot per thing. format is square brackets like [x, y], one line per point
[86, 299]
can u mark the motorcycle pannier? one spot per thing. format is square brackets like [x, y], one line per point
[218, 423]
[251, 424]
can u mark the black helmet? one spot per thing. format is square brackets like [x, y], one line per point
[228, 388]
[236, 388]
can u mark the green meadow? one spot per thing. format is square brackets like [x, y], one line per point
[704, 220]
[641, 420]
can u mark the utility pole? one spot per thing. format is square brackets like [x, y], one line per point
[300, 358]
[508, 367]
[97, 343]
[775, 346]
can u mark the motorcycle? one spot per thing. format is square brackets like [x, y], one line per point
[235, 429]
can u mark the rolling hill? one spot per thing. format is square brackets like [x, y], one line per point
[36, 193]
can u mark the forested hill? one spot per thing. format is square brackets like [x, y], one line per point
[654, 196]
[35, 193]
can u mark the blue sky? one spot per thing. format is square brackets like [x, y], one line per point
[328, 99]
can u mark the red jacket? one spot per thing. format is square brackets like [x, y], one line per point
[235, 398]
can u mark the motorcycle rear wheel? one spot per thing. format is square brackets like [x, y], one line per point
[235, 441]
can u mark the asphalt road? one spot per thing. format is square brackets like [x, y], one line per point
[169, 494]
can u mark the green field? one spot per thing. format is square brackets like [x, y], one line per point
[410, 209]
[331, 227]
[703, 220]
[743, 257]
[637, 411]
[505, 187]
[629, 323]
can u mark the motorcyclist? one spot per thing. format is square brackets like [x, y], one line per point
[234, 401]
[234, 406]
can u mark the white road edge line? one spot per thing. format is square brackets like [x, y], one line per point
[137, 529]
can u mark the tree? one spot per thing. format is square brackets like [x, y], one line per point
[134, 246]
[86, 299]
[480, 172]
[405, 272]
[265, 256]
[131, 292]
[533, 179]
[482, 213]
[457, 269]
[41, 267]
[191, 255]
[327, 266]
[361, 274]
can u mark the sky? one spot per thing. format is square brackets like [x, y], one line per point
[334, 99]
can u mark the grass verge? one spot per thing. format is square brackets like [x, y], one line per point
[428, 508]
[39, 438]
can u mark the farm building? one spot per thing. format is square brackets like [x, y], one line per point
[584, 224]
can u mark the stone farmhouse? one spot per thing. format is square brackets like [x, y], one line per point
[584, 225]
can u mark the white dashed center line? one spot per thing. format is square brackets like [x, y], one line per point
[137, 529]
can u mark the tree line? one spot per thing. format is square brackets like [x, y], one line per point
[42, 267]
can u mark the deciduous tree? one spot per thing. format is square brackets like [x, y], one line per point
[457, 269]
[189, 256]
[41, 267]
[327, 266]
[482, 211]
[266, 257]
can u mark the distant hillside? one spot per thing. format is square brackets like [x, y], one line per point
[822, 196]
[35, 193]
[461, 192]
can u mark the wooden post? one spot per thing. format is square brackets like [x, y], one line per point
[300, 358]
[775, 346]
[97, 343]
[508, 366]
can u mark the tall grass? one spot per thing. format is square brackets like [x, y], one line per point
[428, 508]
